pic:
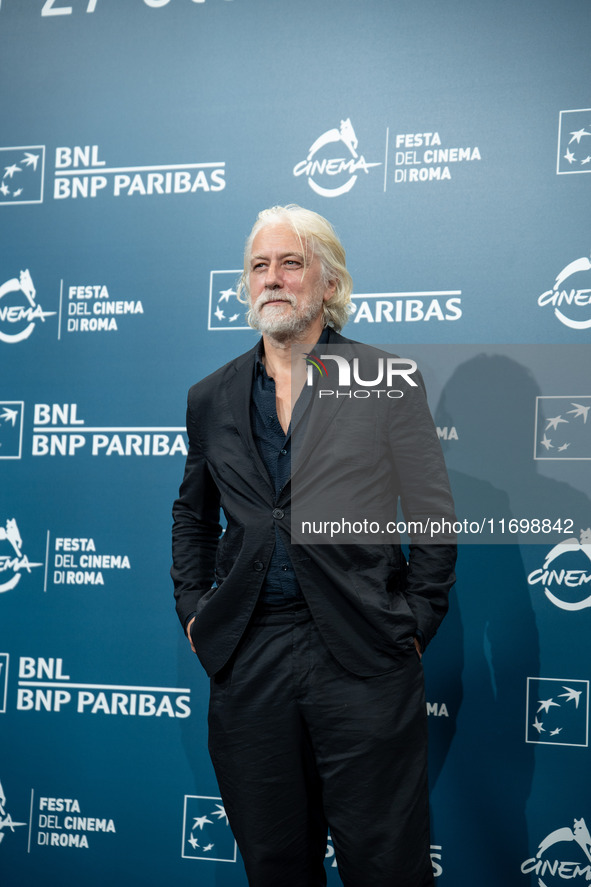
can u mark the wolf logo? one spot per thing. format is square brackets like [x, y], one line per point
[579, 833]
[12, 535]
[345, 134]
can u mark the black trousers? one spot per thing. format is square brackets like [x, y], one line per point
[299, 745]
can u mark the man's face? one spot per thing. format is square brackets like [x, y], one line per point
[286, 296]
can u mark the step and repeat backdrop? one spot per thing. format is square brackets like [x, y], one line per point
[450, 145]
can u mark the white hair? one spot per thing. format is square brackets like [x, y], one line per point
[317, 238]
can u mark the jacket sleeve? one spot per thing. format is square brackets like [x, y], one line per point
[427, 505]
[196, 528]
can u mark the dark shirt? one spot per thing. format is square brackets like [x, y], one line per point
[275, 447]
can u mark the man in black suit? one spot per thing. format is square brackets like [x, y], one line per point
[317, 714]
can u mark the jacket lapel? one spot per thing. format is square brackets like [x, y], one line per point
[239, 392]
[310, 430]
[320, 412]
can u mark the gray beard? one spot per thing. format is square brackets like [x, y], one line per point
[283, 329]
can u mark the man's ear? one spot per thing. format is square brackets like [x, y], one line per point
[330, 290]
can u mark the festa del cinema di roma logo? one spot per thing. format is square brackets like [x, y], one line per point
[12, 560]
[554, 862]
[18, 310]
[567, 566]
[331, 176]
[571, 292]
[89, 308]
[54, 823]
[6, 820]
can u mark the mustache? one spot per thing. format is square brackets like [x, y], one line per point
[275, 296]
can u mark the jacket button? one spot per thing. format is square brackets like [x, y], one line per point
[278, 513]
[259, 565]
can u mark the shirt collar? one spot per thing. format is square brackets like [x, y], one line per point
[259, 367]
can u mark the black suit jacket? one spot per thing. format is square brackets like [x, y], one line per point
[367, 602]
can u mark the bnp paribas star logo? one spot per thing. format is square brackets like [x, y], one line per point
[21, 174]
[225, 311]
[557, 712]
[574, 142]
[11, 428]
[563, 428]
[206, 830]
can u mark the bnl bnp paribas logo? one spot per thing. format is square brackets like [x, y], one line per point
[81, 172]
[226, 312]
[59, 431]
[574, 142]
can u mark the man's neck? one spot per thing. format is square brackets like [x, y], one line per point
[278, 358]
[287, 367]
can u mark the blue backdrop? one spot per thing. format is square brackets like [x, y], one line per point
[450, 145]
